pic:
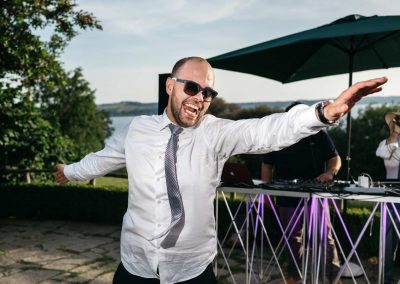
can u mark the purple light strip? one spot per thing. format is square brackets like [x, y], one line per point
[322, 240]
[350, 241]
[312, 217]
[246, 198]
[270, 244]
[382, 242]
[284, 231]
[354, 246]
[396, 213]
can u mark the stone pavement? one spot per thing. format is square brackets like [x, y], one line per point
[33, 251]
[57, 252]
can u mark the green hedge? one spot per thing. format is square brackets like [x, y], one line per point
[102, 205]
[75, 203]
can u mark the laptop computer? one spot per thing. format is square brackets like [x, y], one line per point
[237, 175]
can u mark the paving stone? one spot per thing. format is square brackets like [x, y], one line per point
[89, 229]
[61, 264]
[5, 260]
[88, 243]
[98, 250]
[88, 271]
[103, 279]
[28, 276]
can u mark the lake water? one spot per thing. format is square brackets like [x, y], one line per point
[119, 122]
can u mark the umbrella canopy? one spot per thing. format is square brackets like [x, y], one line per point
[350, 44]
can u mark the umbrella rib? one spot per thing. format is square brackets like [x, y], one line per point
[379, 39]
[380, 58]
[286, 80]
[372, 46]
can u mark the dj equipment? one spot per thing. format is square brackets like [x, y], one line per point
[337, 186]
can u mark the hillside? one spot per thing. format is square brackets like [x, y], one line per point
[129, 108]
[137, 108]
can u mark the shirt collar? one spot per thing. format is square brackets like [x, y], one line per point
[165, 121]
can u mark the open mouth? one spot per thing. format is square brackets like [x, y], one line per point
[191, 110]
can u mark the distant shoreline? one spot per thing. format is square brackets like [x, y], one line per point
[136, 108]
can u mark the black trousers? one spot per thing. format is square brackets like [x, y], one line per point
[122, 276]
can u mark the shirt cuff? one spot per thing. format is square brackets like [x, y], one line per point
[69, 172]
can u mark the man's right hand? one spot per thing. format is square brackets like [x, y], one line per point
[60, 177]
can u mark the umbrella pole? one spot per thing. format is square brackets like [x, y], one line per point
[348, 126]
[348, 132]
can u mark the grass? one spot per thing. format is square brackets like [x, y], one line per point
[112, 183]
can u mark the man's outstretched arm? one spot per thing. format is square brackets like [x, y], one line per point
[93, 165]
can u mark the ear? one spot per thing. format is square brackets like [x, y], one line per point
[169, 85]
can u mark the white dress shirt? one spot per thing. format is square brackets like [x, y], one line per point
[390, 153]
[202, 152]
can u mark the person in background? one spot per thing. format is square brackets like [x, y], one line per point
[389, 151]
[312, 158]
[174, 163]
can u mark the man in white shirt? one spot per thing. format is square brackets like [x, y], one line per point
[168, 232]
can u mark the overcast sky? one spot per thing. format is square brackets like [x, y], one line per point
[141, 39]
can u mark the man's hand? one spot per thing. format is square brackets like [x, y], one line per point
[327, 176]
[351, 96]
[60, 177]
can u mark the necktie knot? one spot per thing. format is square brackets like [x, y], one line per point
[175, 129]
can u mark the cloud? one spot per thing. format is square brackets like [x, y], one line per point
[144, 38]
[140, 18]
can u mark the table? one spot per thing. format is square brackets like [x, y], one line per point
[318, 203]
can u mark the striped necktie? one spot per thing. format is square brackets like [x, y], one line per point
[174, 195]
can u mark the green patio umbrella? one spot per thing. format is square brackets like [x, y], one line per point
[350, 44]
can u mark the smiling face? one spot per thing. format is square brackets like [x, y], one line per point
[182, 109]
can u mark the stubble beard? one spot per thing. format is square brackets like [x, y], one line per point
[178, 113]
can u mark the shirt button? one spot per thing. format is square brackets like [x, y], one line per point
[158, 179]
[158, 201]
[160, 157]
[159, 225]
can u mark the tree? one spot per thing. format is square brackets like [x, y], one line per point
[24, 54]
[221, 108]
[27, 141]
[368, 130]
[34, 125]
[68, 103]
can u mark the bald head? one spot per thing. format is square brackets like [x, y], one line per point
[192, 59]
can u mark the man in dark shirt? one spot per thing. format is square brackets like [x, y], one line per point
[312, 158]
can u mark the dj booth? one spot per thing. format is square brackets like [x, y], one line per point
[313, 212]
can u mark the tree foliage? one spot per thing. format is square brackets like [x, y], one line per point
[68, 103]
[221, 108]
[46, 113]
[22, 51]
[368, 130]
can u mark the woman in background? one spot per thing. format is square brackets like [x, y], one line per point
[389, 151]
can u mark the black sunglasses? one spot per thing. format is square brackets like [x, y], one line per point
[192, 88]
